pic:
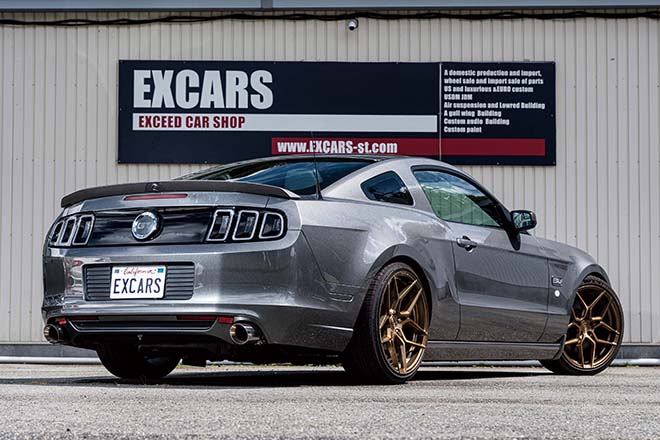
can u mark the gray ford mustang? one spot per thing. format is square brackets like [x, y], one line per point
[377, 263]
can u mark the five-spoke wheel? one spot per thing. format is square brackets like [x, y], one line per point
[404, 321]
[392, 331]
[594, 331]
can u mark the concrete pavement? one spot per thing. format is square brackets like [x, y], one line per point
[68, 401]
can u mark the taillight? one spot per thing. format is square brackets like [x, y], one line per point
[219, 230]
[55, 234]
[272, 226]
[84, 230]
[67, 233]
[74, 230]
[245, 225]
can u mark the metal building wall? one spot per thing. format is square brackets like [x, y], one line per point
[58, 128]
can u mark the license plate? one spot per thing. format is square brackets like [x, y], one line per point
[137, 282]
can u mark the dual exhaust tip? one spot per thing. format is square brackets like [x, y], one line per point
[242, 333]
[53, 333]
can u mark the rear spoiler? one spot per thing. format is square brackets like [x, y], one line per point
[176, 186]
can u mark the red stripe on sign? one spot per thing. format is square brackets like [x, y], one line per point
[344, 145]
[493, 147]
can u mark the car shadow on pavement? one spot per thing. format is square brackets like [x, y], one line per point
[263, 378]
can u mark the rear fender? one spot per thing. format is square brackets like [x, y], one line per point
[437, 270]
[352, 241]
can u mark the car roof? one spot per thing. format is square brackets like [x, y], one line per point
[376, 164]
[374, 158]
[292, 158]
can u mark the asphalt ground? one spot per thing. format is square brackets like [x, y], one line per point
[72, 402]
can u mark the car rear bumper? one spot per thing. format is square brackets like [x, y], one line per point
[275, 285]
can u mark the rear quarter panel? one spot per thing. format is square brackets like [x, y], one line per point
[351, 241]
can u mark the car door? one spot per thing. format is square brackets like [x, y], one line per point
[501, 278]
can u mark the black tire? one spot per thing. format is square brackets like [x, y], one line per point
[126, 362]
[363, 359]
[563, 365]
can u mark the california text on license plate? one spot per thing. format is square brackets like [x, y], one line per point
[135, 282]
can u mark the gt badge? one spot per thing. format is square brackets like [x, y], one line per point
[556, 281]
[145, 226]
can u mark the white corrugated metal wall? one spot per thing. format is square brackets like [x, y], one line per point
[58, 128]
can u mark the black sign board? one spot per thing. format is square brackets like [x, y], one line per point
[224, 111]
[498, 113]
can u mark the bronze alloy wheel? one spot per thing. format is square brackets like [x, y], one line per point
[392, 330]
[404, 322]
[594, 332]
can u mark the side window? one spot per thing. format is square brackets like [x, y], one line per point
[456, 200]
[387, 187]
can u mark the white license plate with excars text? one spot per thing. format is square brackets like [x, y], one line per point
[137, 282]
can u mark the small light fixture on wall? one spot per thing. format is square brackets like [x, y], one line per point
[352, 24]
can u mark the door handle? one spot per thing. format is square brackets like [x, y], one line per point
[466, 243]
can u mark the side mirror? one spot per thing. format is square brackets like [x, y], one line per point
[523, 220]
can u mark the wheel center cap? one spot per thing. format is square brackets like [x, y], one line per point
[585, 328]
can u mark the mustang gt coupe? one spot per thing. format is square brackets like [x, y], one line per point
[376, 263]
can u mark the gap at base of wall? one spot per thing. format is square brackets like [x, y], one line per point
[629, 351]
[44, 350]
[639, 351]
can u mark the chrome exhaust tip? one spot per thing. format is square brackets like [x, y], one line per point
[242, 333]
[53, 333]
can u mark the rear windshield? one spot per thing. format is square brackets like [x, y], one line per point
[297, 176]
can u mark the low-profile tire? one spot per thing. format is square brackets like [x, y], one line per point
[391, 333]
[127, 363]
[594, 333]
